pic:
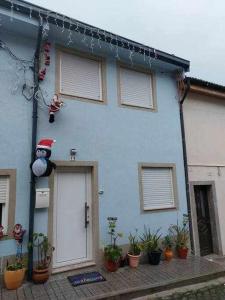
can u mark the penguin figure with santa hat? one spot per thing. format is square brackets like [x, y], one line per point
[42, 166]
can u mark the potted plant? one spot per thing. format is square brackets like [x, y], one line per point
[15, 272]
[112, 252]
[14, 275]
[134, 252]
[181, 237]
[44, 255]
[168, 243]
[150, 244]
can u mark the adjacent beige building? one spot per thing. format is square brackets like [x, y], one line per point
[204, 122]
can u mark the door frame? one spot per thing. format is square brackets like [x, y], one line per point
[70, 166]
[214, 217]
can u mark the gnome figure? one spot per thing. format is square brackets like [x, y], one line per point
[1, 231]
[42, 166]
[18, 233]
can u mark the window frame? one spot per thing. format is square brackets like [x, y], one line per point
[171, 166]
[100, 59]
[153, 84]
[11, 173]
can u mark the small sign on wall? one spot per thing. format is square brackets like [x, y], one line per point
[42, 198]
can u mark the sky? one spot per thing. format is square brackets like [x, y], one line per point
[191, 29]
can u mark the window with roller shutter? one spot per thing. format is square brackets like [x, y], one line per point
[136, 88]
[81, 77]
[158, 186]
[4, 200]
[7, 199]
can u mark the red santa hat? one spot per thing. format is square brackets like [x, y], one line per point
[45, 144]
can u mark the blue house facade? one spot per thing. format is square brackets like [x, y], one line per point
[120, 113]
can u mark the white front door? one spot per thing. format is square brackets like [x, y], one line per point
[72, 218]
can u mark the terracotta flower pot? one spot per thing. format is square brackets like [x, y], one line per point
[14, 279]
[168, 254]
[40, 276]
[111, 266]
[134, 260]
[182, 252]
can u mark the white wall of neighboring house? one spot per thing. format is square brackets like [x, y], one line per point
[204, 118]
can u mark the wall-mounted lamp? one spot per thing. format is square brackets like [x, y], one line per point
[73, 153]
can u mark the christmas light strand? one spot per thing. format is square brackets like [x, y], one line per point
[96, 35]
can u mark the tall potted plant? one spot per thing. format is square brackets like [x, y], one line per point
[181, 237]
[150, 244]
[44, 252]
[112, 252]
[134, 250]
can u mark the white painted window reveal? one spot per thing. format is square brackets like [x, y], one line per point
[80, 77]
[157, 188]
[136, 88]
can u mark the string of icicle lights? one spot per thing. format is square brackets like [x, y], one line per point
[96, 36]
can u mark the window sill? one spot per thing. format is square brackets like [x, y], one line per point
[159, 209]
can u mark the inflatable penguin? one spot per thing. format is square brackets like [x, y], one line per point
[42, 166]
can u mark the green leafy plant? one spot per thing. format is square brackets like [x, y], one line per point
[180, 233]
[44, 250]
[112, 252]
[135, 248]
[150, 240]
[168, 241]
[14, 266]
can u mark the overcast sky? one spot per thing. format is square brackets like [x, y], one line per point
[191, 29]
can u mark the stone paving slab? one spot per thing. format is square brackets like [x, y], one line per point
[210, 290]
[126, 283]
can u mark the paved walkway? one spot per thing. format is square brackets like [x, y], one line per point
[126, 283]
[209, 290]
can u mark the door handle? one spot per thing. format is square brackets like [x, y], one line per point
[86, 215]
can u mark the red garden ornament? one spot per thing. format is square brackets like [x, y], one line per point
[1, 231]
[18, 233]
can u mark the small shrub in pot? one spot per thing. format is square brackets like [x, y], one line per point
[181, 237]
[168, 243]
[44, 251]
[150, 244]
[134, 252]
[112, 252]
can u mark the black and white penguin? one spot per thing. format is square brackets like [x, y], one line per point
[42, 166]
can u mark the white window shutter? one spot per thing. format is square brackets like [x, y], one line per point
[4, 189]
[80, 77]
[136, 88]
[157, 188]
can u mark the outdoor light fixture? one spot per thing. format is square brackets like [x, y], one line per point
[73, 153]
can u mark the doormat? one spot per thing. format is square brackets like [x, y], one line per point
[85, 278]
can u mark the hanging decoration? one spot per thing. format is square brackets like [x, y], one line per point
[42, 166]
[55, 106]
[95, 35]
[44, 60]
[18, 233]
[90, 36]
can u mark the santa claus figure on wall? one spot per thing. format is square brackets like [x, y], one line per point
[55, 106]
[42, 166]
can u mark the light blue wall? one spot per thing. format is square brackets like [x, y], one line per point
[117, 137]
